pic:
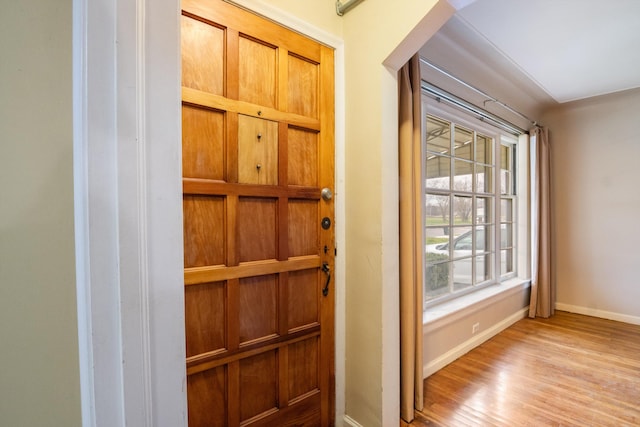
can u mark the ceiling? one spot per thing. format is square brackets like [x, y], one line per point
[533, 54]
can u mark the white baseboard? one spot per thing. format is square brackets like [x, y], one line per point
[634, 320]
[472, 343]
[348, 421]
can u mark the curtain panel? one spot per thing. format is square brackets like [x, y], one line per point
[411, 239]
[542, 289]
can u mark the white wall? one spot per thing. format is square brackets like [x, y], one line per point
[595, 152]
[39, 378]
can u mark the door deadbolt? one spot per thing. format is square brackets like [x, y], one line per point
[326, 223]
[326, 194]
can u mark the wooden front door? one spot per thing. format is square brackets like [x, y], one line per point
[258, 126]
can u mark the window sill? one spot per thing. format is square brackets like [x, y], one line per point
[440, 315]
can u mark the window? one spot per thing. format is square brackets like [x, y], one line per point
[470, 206]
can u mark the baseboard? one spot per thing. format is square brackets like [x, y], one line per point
[348, 421]
[634, 320]
[472, 343]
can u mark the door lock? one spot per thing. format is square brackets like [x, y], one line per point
[326, 223]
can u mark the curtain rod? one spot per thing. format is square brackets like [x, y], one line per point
[475, 89]
[342, 8]
[485, 116]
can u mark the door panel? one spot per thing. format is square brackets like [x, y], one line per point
[257, 150]
[303, 87]
[303, 227]
[204, 320]
[202, 143]
[257, 81]
[200, 68]
[303, 157]
[207, 395]
[204, 232]
[258, 392]
[304, 299]
[258, 306]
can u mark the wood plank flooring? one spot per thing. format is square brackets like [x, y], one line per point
[569, 370]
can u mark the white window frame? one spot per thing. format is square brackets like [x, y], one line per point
[520, 215]
[508, 140]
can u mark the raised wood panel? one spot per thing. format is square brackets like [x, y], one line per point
[205, 317]
[303, 87]
[303, 157]
[257, 151]
[258, 385]
[303, 368]
[201, 45]
[303, 228]
[257, 228]
[303, 301]
[258, 310]
[257, 82]
[207, 398]
[202, 143]
[204, 234]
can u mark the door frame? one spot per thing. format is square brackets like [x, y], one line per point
[128, 208]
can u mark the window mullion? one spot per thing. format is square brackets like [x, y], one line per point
[497, 215]
[452, 178]
[473, 210]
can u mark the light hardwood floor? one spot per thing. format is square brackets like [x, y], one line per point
[569, 370]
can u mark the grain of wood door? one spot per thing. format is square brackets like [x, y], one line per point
[258, 125]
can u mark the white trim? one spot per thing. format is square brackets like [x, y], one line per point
[95, 204]
[348, 421]
[340, 214]
[133, 213]
[472, 343]
[128, 212]
[523, 232]
[594, 312]
[81, 214]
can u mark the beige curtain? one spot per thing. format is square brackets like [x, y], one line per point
[411, 240]
[542, 289]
